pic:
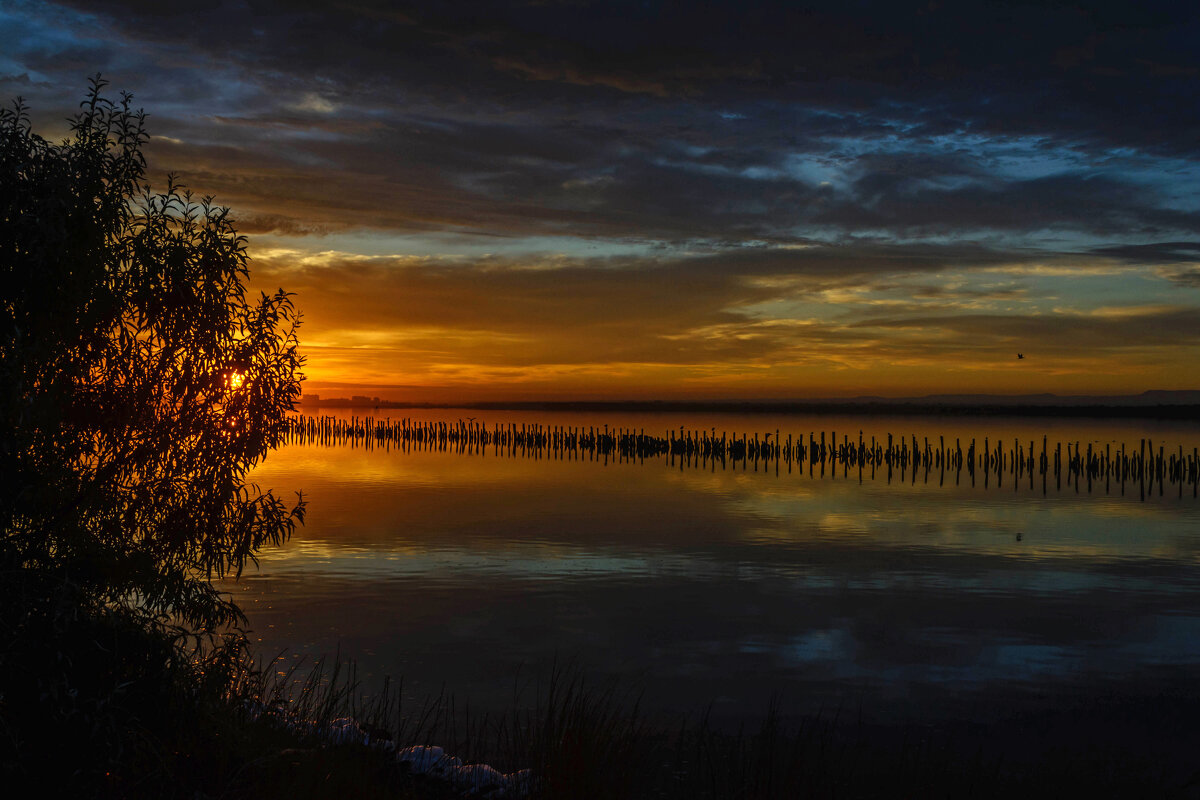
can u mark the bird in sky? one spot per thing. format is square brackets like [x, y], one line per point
[1020, 356]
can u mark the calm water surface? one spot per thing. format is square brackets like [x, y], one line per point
[711, 587]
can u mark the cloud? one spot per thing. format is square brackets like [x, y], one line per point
[637, 326]
[552, 118]
[1155, 252]
[1190, 278]
[311, 101]
[740, 198]
[1077, 74]
[1094, 203]
[1097, 334]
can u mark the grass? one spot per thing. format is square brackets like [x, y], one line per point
[588, 741]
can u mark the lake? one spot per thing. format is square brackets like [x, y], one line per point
[716, 587]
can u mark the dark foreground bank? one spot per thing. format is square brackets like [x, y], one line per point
[115, 713]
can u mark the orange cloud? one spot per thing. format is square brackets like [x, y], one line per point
[454, 329]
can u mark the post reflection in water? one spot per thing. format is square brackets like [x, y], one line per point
[699, 449]
[889, 585]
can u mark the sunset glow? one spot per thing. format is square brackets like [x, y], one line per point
[543, 202]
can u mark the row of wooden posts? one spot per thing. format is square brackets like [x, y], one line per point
[1146, 465]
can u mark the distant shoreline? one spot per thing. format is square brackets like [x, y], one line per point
[1104, 408]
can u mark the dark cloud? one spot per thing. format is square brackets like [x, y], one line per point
[1121, 73]
[619, 119]
[1107, 331]
[1189, 278]
[1095, 203]
[1154, 253]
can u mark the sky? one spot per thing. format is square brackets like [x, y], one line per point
[633, 201]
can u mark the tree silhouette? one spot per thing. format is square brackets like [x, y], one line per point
[139, 382]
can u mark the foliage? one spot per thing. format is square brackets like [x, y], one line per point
[139, 383]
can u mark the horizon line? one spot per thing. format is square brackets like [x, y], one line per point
[1174, 404]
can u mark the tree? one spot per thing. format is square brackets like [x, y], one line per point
[139, 383]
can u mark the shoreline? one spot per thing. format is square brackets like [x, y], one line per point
[1158, 411]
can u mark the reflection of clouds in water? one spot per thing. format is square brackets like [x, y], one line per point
[820, 645]
[1176, 639]
[531, 561]
[1033, 660]
[345, 468]
[840, 523]
[459, 564]
[1047, 529]
[550, 562]
[834, 651]
[811, 647]
[767, 623]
